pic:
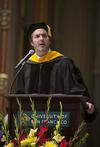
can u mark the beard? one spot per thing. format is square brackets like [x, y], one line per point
[42, 50]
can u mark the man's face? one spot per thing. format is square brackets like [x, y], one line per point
[40, 41]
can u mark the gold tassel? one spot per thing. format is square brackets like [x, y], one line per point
[49, 31]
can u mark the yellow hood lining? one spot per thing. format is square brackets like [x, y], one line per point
[48, 57]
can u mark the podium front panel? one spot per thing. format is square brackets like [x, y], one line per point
[72, 110]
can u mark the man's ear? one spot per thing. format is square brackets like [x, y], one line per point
[31, 43]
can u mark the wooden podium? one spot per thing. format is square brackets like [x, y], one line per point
[72, 109]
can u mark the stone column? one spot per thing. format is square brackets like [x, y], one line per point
[5, 19]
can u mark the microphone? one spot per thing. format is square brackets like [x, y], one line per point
[22, 61]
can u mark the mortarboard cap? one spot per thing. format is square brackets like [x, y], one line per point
[36, 26]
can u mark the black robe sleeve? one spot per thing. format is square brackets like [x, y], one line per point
[76, 85]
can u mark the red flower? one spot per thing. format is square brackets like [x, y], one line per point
[64, 143]
[22, 137]
[15, 142]
[42, 131]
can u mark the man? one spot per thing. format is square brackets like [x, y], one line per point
[50, 72]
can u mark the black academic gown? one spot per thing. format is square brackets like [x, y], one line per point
[57, 76]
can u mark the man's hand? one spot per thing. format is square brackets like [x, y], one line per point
[90, 108]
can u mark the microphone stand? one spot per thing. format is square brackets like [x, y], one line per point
[15, 77]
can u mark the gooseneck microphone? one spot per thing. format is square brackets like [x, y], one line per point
[22, 61]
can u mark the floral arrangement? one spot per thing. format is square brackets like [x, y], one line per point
[36, 136]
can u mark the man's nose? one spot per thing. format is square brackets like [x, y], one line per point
[41, 37]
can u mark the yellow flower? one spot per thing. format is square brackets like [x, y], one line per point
[32, 132]
[10, 145]
[33, 144]
[58, 138]
[50, 144]
[28, 141]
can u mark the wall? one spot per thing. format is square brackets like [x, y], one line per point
[75, 25]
